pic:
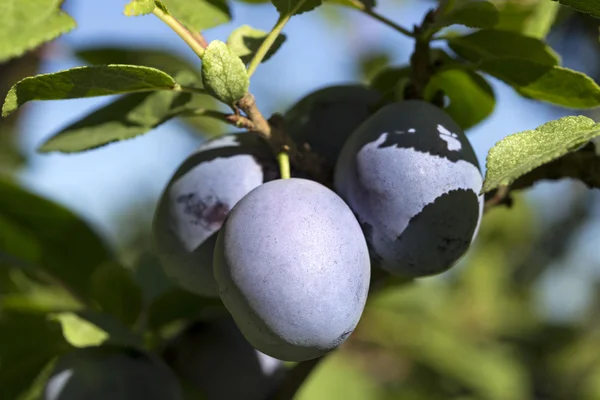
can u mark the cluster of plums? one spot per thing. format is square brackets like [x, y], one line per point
[290, 258]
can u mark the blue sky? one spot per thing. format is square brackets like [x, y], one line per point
[103, 182]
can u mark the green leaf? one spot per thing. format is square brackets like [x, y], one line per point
[26, 24]
[139, 7]
[36, 389]
[36, 297]
[542, 18]
[340, 377]
[79, 332]
[198, 15]
[474, 15]
[117, 294]
[390, 81]
[245, 41]
[164, 60]
[27, 343]
[583, 165]
[591, 7]
[531, 18]
[294, 7]
[86, 82]
[552, 84]
[471, 97]
[48, 237]
[125, 118]
[224, 73]
[490, 44]
[184, 72]
[89, 328]
[518, 154]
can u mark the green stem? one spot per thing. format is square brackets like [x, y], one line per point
[180, 30]
[284, 164]
[385, 21]
[268, 42]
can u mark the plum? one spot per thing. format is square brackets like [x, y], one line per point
[197, 199]
[215, 358]
[413, 180]
[293, 269]
[107, 372]
[324, 119]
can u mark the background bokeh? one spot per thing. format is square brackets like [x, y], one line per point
[518, 315]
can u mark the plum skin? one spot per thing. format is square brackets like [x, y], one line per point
[197, 199]
[325, 118]
[214, 357]
[412, 178]
[110, 372]
[293, 269]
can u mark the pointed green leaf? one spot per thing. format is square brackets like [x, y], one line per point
[86, 82]
[26, 24]
[471, 97]
[541, 19]
[199, 15]
[531, 18]
[490, 43]
[79, 332]
[35, 297]
[245, 41]
[164, 60]
[591, 7]
[43, 235]
[552, 84]
[517, 154]
[125, 118]
[294, 7]
[583, 165]
[474, 15]
[139, 7]
[90, 328]
[224, 73]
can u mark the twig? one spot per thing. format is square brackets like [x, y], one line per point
[260, 124]
[373, 14]
[239, 121]
[501, 196]
[181, 30]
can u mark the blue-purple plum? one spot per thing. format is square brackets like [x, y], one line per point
[413, 180]
[214, 357]
[325, 118]
[198, 198]
[293, 269]
[106, 372]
